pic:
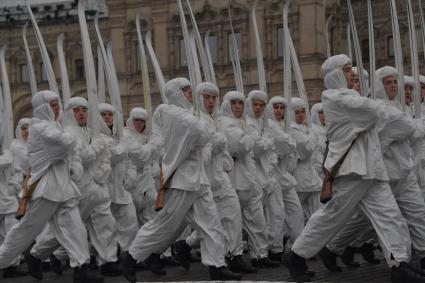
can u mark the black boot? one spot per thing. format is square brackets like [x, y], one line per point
[404, 274]
[222, 274]
[56, 265]
[182, 250]
[329, 260]
[84, 274]
[128, 264]
[12, 272]
[367, 253]
[111, 269]
[169, 260]
[347, 257]
[275, 256]
[297, 267]
[34, 266]
[422, 263]
[238, 265]
[154, 264]
[264, 263]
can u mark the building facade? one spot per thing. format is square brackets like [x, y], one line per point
[117, 23]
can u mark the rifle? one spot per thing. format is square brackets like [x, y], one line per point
[27, 193]
[159, 204]
[326, 193]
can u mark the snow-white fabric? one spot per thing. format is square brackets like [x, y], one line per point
[320, 131]
[211, 89]
[332, 71]
[173, 92]
[242, 175]
[19, 150]
[381, 74]
[142, 154]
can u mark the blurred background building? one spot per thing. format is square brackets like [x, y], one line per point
[307, 20]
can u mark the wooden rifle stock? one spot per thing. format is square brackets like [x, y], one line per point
[159, 204]
[326, 193]
[27, 193]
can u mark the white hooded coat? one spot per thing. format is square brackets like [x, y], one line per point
[123, 173]
[141, 152]
[239, 143]
[215, 151]
[284, 146]
[263, 151]
[305, 174]
[394, 130]
[49, 149]
[19, 150]
[184, 135]
[351, 117]
[320, 131]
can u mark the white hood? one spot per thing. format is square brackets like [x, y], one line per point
[332, 70]
[297, 103]
[255, 94]
[408, 80]
[355, 70]
[21, 122]
[318, 107]
[269, 109]
[41, 105]
[106, 107]
[381, 74]
[210, 88]
[137, 113]
[74, 102]
[226, 107]
[173, 92]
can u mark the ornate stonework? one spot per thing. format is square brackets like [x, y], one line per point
[307, 24]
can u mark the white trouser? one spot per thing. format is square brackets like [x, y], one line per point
[96, 215]
[180, 208]
[7, 221]
[66, 225]
[127, 225]
[310, 202]
[229, 211]
[275, 217]
[294, 216]
[412, 206]
[376, 200]
[145, 205]
[351, 233]
[254, 222]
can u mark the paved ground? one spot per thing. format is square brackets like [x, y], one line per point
[365, 273]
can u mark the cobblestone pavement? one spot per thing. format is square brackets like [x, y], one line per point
[365, 273]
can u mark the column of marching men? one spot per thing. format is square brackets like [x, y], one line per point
[234, 169]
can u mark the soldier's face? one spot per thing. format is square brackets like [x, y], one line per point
[356, 82]
[299, 115]
[237, 108]
[187, 92]
[258, 107]
[279, 111]
[54, 105]
[390, 86]
[108, 117]
[321, 117]
[209, 101]
[80, 114]
[348, 74]
[24, 132]
[139, 125]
